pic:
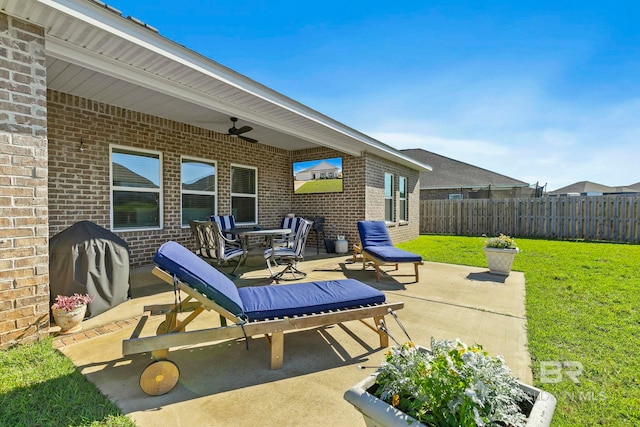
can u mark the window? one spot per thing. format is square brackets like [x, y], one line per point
[389, 192]
[402, 190]
[198, 198]
[136, 201]
[244, 194]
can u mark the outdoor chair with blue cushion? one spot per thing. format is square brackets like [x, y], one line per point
[254, 310]
[226, 222]
[293, 224]
[211, 244]
[376, 247]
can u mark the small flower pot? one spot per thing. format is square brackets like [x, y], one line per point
[69, 321]
[500, 260]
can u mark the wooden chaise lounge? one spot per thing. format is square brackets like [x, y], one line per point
[376, 248]
[257, 310]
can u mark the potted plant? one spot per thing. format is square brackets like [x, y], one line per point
[450, 385]
[68, 311]
[500, 252]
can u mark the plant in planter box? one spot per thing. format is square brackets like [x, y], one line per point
[450, 385]
[501, 242]
[68, 311]
[500, 252]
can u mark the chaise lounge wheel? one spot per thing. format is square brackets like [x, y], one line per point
[159, 377]
[162, 328]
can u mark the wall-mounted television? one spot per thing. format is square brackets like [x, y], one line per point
[318, 176]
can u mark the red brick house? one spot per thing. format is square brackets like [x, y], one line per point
[105, 120]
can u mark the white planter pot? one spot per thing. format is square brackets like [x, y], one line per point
[342, 246]
[500, 260]
[378, 413]
[69, 321]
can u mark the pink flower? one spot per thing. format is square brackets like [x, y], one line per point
[68, 303]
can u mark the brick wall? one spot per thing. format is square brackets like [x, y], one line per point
[341, 211]
[24, 256]
[376, 167]
[79, 179]
[360, 198]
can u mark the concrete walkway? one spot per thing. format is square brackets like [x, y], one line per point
[223, 384]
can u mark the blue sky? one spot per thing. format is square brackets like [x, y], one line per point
[541, 91]
[300, 166]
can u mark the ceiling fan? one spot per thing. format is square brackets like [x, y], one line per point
[236, 133]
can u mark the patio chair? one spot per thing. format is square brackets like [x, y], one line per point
[211, 244]
[290, 255]
[254, 310]
[226, 222]
[292, 223]
[376, 247]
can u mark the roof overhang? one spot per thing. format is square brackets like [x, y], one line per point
[96, 53]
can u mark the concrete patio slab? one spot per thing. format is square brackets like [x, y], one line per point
[224, 384]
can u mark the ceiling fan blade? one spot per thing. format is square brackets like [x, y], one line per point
[243, 129]
[246, 138]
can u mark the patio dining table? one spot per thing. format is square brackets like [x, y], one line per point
[245, 233]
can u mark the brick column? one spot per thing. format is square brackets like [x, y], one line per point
[24, 230]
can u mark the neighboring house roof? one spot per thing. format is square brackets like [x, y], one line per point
[207, 183]
[450, 173]
[124, 176]
[93, 51]
[583, 187]
[635, 186]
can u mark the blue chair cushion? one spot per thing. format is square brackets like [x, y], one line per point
[226, 222]
[374, 233]
[392, 254]
[264, 302]
[176, 259]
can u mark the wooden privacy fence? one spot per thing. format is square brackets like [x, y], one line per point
[605, 218]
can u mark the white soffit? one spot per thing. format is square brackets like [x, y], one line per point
[94, 52]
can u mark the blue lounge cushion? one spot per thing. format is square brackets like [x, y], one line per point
[377, 242]
[391, 254]
[197, 273]
[374, 233]
[264, 302]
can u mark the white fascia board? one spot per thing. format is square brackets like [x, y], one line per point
[127, 30]
[101, 64]
[117, 25]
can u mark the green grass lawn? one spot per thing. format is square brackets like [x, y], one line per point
[39, 386]
[321, 186]
[582, 306]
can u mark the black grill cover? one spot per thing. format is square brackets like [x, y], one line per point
[86, 258]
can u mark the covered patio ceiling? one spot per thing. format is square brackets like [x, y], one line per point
[94, 52]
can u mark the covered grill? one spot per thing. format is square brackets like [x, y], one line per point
[86, 258]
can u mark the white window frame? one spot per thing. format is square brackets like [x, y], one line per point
[213, 163]
[232, 194]
[404, 213]
[159, 190]
[392, 198]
